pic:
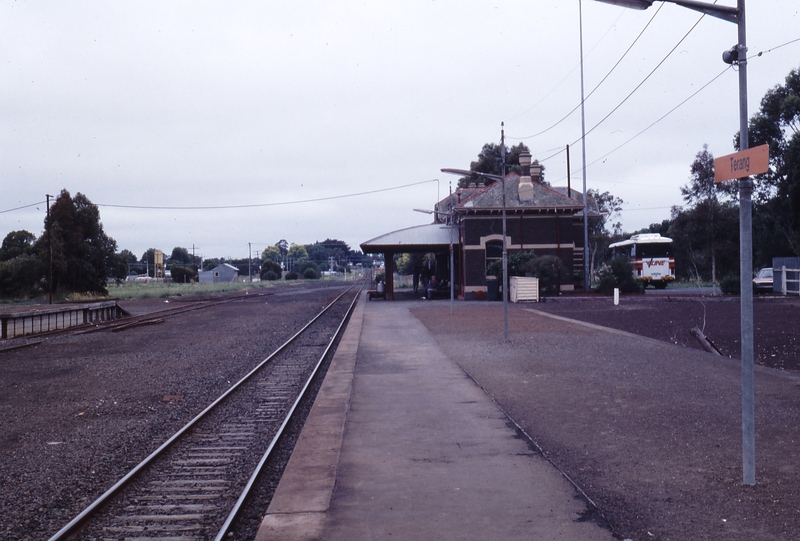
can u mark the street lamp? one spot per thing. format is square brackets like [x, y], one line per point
[727, 13]
[502, 179]
[737, 55]
[505, 237]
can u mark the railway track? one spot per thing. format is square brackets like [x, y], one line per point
[193, 486]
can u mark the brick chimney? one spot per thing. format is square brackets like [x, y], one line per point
[525, 184]
[536, 172]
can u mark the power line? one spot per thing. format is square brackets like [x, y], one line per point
[23, 207]
[662, 117]
[622, 12]
[649, 208]
[256, 205]
[632, 92]
[665, 115]
[607, 75]
[761, 53]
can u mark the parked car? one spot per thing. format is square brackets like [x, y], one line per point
[763, 281]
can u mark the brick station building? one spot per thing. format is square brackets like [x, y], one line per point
[541, 219]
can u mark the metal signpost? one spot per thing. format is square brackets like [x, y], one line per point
[736, 55]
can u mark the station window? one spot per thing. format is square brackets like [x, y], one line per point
[494, 252]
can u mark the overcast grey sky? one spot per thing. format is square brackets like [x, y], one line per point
[215, 104]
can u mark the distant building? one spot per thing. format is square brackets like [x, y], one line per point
[220, 273]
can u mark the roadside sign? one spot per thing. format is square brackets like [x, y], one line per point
[752, 161]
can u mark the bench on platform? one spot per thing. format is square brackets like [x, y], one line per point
[440, 293]
[374, 294]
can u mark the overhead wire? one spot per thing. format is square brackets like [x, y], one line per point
[632, 92]
[761, 53]
[256, 205]
[556, 87]
[606, 77]
[23, 207]
[621, 58]
[635, 88]
[662, 117]
[665, 115]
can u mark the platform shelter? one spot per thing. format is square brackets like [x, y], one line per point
[437, 238]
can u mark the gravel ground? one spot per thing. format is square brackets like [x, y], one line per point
[655, 441]
[650, 430]
[776, 342]
[78, 412]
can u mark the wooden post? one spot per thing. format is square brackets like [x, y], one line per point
[388, 266]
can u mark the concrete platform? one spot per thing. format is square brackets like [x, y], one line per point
[401, 444]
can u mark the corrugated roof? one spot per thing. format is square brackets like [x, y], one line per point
[412, 238]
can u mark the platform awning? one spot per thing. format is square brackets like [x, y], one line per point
[421, 238]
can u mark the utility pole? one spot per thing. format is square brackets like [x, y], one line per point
[736, 55]
[249, 259]
[49, 253]
[586, 278]
[450, 225]
[505, 251]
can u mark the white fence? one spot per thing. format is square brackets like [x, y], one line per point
[13, 325]
[789, 281]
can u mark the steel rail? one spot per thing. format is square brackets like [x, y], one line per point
[260, 466]
[171, 311]
[70, 527]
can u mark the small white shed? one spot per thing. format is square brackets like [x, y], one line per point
[220, 273]
[523, 288]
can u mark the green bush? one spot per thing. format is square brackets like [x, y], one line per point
[271, 270]
[309, 270]
[517, 265]
[606, 282]
[181, 274]
[547, 268]
[20, 277]
[730, 284]
[291, 275]
[618, 274]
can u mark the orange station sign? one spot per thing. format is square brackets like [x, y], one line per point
[752, 161]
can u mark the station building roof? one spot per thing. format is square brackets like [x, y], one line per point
[544, 197]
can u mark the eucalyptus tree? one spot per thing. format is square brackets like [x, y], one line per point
[82, 254]
[707, 201]
[490, 161]
[776, 209]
